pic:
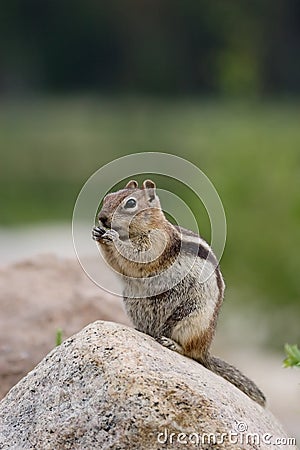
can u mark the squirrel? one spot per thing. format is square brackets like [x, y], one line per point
[173, 286]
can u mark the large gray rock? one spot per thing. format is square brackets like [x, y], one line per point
[111, 387]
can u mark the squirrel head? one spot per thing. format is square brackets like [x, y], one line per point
[132, 211]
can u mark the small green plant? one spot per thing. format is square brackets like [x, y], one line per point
[58, 337]
[292, 356]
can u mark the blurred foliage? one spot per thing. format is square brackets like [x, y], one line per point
[292, 356]
[250, 151]
[169, 46]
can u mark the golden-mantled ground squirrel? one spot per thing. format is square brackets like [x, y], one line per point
[173, 287]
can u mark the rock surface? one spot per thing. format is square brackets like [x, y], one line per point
[111, 387]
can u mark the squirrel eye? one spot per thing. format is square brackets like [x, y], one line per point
[131, 203]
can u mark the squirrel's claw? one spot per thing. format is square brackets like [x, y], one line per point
[170, 344]
[97, 233]
[101, 234]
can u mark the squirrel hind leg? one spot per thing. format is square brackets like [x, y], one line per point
[170, 344]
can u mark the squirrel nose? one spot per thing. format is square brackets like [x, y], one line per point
[103, 219]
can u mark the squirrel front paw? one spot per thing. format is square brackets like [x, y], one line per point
[103, 235]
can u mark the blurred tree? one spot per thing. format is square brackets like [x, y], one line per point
[161, 47]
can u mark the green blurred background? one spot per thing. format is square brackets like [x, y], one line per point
[218, 83]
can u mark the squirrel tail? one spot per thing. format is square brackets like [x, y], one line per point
[234, 376]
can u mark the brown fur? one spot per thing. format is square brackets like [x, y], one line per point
[192, 347]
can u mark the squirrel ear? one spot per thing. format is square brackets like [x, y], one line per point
[132, 184]
[149, 185]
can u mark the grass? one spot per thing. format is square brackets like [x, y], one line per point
[58, 337]
[250, 151]
[292, 356]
